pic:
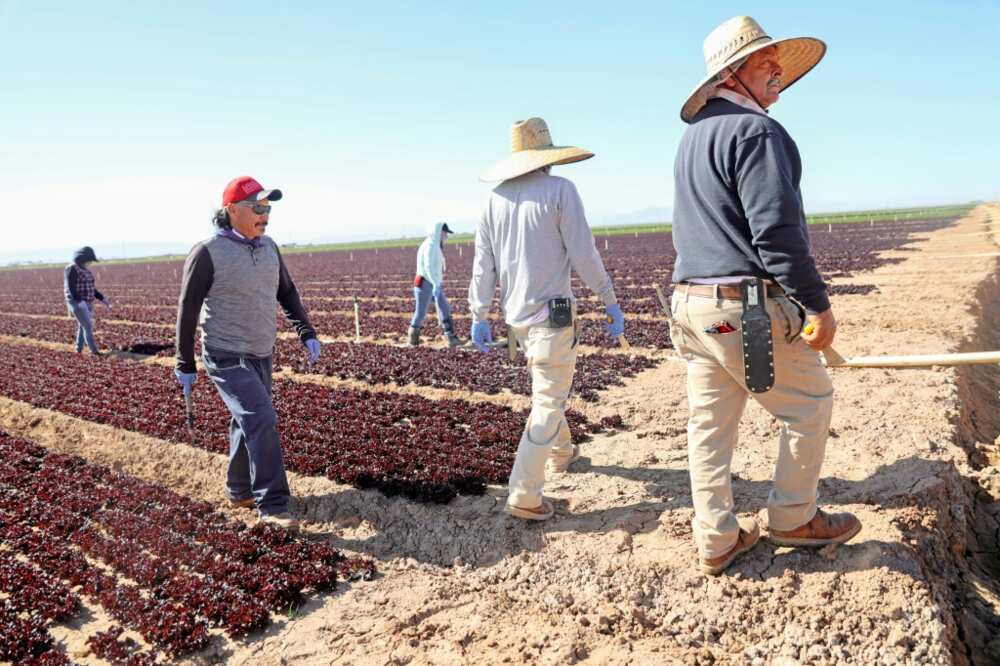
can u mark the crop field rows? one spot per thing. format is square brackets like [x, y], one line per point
[429, 450]
[352, 436]
[158, 563]
[171, 573]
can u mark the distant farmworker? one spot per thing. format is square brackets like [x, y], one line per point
[232, 281]
[80, 292]
[746, 282]
[429, 285]
[533, 231]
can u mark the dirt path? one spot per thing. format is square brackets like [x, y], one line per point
[610, 579]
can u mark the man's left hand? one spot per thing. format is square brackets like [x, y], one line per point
[312, 344]
[107, 303]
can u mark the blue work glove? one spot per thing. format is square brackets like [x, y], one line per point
[312, 344]
[186, 380]
[616, 320]
[481, 335]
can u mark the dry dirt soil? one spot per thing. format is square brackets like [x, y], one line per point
[611, 579]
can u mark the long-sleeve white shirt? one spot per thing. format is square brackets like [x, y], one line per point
[533, 230]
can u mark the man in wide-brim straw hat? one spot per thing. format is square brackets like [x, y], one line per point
[740, 234]
[533, 231]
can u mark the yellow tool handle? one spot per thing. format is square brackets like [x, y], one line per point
[809, 329]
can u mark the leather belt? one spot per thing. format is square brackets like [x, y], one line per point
[729, 292]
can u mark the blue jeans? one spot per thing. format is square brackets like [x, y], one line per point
[256, 468]
[424, 295]
[84, 325]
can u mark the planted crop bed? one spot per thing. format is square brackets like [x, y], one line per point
[399, 444]
[126, 337]
[170, 567]
[441, 368]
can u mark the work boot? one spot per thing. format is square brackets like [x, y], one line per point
[543, 511]
[559, 461]
[454, 340]
[414, 336]
[246, 503]
[747, 538]
[824, 529]
[284, 519]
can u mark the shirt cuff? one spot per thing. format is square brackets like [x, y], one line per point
[821, 303]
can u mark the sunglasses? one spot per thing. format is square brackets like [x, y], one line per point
[257, 208]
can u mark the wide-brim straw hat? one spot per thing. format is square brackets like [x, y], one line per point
[737, 39]
[531, 149]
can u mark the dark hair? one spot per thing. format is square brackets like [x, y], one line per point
[221, 219]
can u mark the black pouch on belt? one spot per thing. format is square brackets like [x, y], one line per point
[560, 312]
[758, 347]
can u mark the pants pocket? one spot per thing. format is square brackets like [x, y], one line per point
[222, 363]
[793, 316]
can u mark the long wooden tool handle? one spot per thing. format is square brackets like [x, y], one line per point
[923, 360]
[624, 342]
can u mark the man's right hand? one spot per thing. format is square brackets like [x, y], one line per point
[186, 380]
[820, 330]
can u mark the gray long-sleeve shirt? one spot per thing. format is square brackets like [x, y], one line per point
[533, 230]
[737, 205]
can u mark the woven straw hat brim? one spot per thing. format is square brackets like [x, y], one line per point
[526, 161]
[796, 55]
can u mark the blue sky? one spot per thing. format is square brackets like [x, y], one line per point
[122, 122]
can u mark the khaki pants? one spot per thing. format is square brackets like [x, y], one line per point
[551, 356]
[801, 400]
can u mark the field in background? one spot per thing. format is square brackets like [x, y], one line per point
[871, 216]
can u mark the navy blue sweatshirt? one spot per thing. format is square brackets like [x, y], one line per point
[737, 204]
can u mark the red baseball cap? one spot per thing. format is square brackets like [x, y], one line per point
[246, 188]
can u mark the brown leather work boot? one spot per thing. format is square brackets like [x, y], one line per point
[747, 539]
[824, 529]
[247, 503]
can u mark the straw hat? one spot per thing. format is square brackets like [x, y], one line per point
[531, 148]
[738, 38]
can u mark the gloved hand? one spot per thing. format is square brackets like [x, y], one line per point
[616, 323]
[437, 292]
[312, 344]
[481, 335]
[107, 303]
[186, 380]
[82, 304]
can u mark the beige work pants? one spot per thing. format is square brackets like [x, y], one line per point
[551, 357]
[801, 400]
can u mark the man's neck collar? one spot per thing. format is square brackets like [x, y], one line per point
[232, 234]
[737, 98]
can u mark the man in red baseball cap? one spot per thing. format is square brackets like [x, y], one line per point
[237, 275]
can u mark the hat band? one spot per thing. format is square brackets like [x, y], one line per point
[731, 50]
